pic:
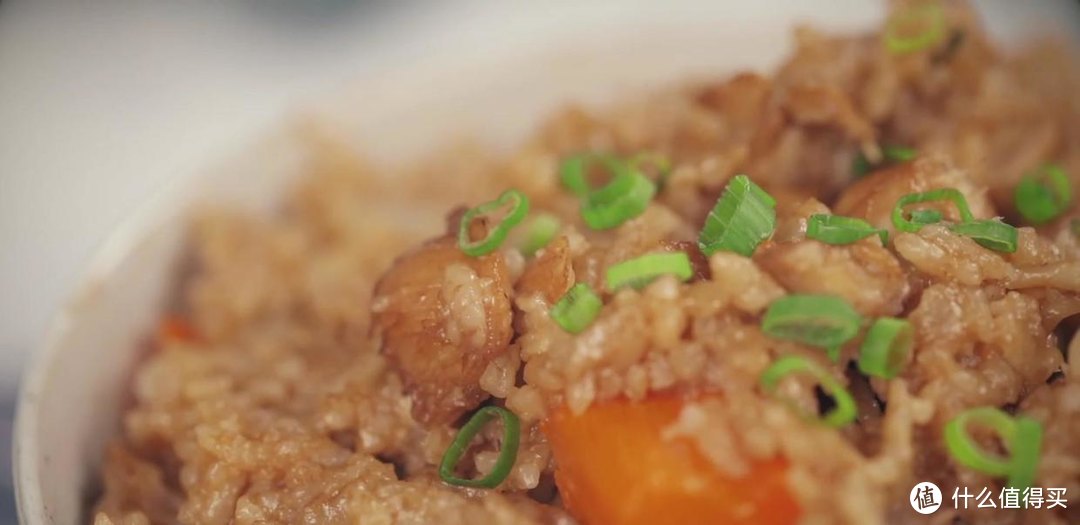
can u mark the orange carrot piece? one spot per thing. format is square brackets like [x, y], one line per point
[613, 468]
[176, 328]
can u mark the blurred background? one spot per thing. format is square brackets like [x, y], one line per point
[103, 106]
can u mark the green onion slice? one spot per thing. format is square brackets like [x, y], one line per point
[1027, 447]
[519, 207]
[539, 232]
[1043, 195]
[930, 18]
[944, 194]
[886, 348]
[507, 453]
[823, 321]
[843, 413]
[990, 233]
[1022, 436]
[890, 155]
[926, 216]
[577, 309]
[837, 229]
[636, 273]
[650, 162]
[744, 216]
[573, 172]
[622, 199]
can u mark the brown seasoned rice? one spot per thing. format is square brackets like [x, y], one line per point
[309, 395]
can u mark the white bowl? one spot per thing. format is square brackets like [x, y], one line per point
[74, 390]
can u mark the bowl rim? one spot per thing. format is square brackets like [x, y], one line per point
[149, 215]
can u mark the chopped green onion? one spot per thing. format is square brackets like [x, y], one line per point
[577, 309]
[1022, 436]
[744, 216]
[1043, 195]
[833, 353]
[990, 233]
[944, 194]
[927, 216]
[575, 168]
[519, 207]
[622, 199]
[1027, 447]
[824, 321]
[636, 273]
[837, 229]
[843, 413]
[540, 231]
[507, 454]
[660, 164]
[885, 350]
[929, 15]
[889, 155]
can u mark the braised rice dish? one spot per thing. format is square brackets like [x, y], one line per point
[754, 299]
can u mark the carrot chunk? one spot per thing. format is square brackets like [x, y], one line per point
[614, 468]
[176, 328]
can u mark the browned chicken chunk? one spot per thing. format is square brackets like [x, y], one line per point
[874, 196]
[441, 316]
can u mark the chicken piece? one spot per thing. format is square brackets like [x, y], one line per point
[551, 273]
[739, 101]
[825, 105]
[807, 266]
[937, 252]
[441, 316]
[864, 273]
[793, 207]
[874, 197]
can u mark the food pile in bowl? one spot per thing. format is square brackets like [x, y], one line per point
[760, 299]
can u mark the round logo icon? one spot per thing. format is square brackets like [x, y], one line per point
[925, 498]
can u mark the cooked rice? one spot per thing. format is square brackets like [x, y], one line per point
[284, 410]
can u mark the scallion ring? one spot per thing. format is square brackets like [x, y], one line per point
[577, 309]
[507, 453]
[824, 321]
[622, 199]
[926, 216]
[837, 229]
[638, 272]
[519, 207]
[886, 348]
[574, 170]
[990, 233]
[648, 163]
[744, 216]
[539, 232]
[953, 195]
[845, 410]
[930, 16]
[1042, 196]
[1022, 436]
